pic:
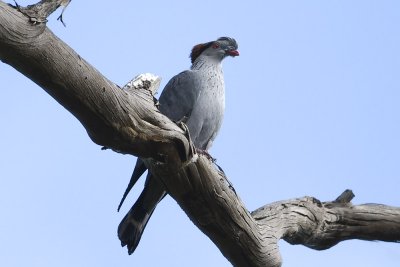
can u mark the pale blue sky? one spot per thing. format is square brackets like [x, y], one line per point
[312, 108]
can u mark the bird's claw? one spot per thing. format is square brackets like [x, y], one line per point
[183, 126]
[205, 153]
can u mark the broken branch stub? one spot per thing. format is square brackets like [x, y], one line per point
[38, 13]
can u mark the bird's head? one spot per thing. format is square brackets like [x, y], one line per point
[219, 49]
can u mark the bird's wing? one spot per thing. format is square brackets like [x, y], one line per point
[179, 95]
[176, 102]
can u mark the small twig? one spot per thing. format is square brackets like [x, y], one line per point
[64, 4]
[39, 12]
[16, 5]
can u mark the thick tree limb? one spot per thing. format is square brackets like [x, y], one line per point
[319, 225]
[128, 121]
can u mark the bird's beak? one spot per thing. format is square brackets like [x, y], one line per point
[233, 53]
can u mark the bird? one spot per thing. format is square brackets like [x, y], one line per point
[195, 97]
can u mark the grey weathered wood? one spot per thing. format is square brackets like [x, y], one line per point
[112, 117]
[321, 225]
[127, 120]
[39, 12]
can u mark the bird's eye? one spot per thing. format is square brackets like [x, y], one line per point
[215, 46]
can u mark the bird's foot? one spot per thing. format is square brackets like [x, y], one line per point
[182, 120]
[205, 153]
[183, 126]
[214, 160]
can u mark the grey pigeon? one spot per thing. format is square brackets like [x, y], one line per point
[197, 98]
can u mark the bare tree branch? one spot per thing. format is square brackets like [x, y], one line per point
[321, 225]
[39, 12]
[127, 120]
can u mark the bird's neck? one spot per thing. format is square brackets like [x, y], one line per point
[203, 62]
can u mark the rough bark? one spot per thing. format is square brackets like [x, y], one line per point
[321, 225]
[127, 120]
